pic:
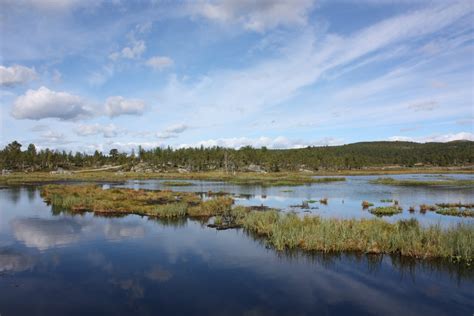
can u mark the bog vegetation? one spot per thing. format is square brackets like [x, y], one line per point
[281, 230]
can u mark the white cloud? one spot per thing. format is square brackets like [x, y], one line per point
[172, 131]
[107, 131]
[442, 138]
[45, 103]
[53, 137]
[159, 62]
[134, 51]
[257, 16]
[273, 143]
[228, 95]
[16, 75]
[117, 105]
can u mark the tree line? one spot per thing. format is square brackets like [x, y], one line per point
[344, 157]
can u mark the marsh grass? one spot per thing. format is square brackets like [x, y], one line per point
[216, 206]
[282, 231]
[172, 210]
[401, 182]
[453, 211]
[386, 210]
[162, 204]
[405, 237]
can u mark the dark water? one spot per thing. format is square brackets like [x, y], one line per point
[86, 265]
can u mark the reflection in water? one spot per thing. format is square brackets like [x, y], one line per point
[15, 261]
[158, 273]
[135, 265]
[44, 233]
[118, 230]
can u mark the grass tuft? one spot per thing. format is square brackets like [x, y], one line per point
[385, 210]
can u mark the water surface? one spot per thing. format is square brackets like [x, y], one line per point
[85, 265]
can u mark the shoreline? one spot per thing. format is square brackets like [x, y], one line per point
[243, 178]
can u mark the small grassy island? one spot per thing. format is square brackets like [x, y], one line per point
[404, 182]
[281, 230]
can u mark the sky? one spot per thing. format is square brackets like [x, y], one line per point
[86, 75]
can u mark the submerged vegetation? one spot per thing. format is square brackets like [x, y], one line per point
[281, 230]
[404, 182]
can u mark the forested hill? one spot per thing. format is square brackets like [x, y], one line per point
[352, 156]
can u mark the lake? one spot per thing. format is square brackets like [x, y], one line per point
[76, 265]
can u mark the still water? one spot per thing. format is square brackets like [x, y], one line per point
[86, 265]
[344, 197]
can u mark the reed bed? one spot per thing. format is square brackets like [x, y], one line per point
[405, 237]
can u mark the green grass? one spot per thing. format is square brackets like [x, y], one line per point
[385, 210]
[172, 210]
[386, 201]
[392, 181]
[163, 204]
[455, 212]
[406, 237]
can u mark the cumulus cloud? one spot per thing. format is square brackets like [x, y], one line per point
[16, 75]
[107, 131]
[172, 131]
[442, 138]
[257, 16]
[159, 62]
[45, 103]
[117, 105]
[272, 143]
[135, 50]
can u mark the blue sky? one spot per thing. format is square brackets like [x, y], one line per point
[85, 75]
